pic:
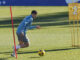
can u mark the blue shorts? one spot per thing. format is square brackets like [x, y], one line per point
[23, 38]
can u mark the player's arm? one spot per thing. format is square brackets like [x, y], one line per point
[34, 27]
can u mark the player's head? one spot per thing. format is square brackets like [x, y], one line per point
[34, 13]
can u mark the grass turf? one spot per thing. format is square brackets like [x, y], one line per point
[54, 36]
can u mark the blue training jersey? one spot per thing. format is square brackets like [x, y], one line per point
[25, 24]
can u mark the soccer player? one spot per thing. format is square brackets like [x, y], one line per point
[21, 31]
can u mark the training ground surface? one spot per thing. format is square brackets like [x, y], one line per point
[53, 37]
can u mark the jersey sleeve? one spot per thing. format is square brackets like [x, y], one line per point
[32, 27]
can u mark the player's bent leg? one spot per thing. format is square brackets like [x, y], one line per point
[26, 42]
[20, 39]
[21, 42]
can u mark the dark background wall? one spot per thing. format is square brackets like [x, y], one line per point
[33, 2]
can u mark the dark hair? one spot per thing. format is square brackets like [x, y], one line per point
[34, 12]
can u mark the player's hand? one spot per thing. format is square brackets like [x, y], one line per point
[38, 27]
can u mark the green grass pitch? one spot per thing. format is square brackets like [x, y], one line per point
[54, 36]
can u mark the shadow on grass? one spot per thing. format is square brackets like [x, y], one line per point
[51, 19]
[5, 58]
[20, 52]
[34, 57]
[51, 50]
